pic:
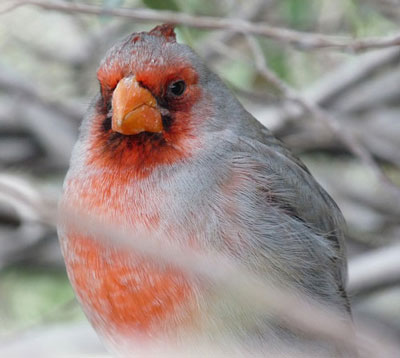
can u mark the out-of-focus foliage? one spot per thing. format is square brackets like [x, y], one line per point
[30, 296]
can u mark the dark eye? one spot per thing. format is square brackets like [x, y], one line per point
[177, 88]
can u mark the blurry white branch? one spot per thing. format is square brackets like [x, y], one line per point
[303, 40]
[342, 79]
[53, 123]
[361, 90]
[31, 210]
[346, 136]
[250, 13]
[13, 83]
[375, 270]
[293, 309]
[27, 202]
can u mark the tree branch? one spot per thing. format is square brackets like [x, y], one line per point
[13, 83]
[350, 74]
[374, 270]
[294, 310]
[320, 114]
[303, 40]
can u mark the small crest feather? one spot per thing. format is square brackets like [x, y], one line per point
[166, 30]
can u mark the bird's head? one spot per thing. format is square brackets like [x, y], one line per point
[155, 99]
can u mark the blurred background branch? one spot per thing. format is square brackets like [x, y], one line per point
[302, 76]
[293, 309]
[304, 40]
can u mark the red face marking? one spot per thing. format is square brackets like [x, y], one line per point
[143, 152]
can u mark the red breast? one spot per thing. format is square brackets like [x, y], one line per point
[120, 291]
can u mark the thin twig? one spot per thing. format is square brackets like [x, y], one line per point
[320, 114]
[345, 77]
[12, 82]
[293, 309]
[9, 7]
[303, 40]
[249, 14]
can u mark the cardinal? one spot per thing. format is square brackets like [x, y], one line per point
[167, 151]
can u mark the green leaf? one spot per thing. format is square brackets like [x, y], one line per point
[161, 4]
[299, 14]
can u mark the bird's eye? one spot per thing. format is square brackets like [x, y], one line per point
[177, 88]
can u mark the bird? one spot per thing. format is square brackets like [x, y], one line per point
[167, 151]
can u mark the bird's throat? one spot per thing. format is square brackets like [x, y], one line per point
[140, 154]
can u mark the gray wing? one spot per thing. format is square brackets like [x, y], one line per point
[294, 222]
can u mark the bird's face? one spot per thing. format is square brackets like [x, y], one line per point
[148, 109]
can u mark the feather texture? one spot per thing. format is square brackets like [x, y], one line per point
[215, 180]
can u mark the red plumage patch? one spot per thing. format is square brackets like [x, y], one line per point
[119, 290]
[143, 152]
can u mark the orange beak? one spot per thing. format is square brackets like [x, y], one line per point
[134, 109]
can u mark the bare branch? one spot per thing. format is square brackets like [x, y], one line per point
[250, 14]
[303, 40]
[28, 206]
[9, 7]
[29, 202]
[345, 77]
[294, 310]
[334, 125]
[13, 83]
[375, 269]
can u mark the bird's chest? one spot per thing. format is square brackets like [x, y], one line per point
[121, 292]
